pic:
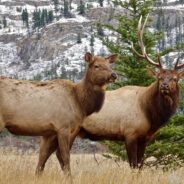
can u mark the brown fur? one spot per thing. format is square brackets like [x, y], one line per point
[54, 108]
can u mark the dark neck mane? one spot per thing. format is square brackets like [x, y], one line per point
[90, 97]
[159, 108]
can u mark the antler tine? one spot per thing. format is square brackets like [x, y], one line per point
[159, 60]
[177, 67]
[144, 55]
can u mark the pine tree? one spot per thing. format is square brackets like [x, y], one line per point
[92, 41]
[66, 9]
[42, 18]
[56, 3]
[4, 22]
[81, 8]
[79, 38]
[50, 16]
[100, 30]
[23, 16]
[27, 18]
[36, 19]
[101, 2]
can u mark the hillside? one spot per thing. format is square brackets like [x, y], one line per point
[52, 51]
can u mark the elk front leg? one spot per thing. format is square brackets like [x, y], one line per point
[47, 146]
[140, 152]
[58, 154]
[64, 150]
[72, 138]
[131, 148]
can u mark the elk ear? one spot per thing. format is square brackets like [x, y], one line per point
[88, 57]
[112, 58]
[181, 74]
[152, 72]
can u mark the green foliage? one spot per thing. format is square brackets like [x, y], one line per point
[56, 4]
[131, 69]
[92, 41]
[4, 22]
[101, 2]
[169, 141]
[79, 38]
[41, 18]
[67, 13]
[81, 8]
[100, 30]
[25, 17]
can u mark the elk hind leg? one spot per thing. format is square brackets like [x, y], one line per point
[131, 148]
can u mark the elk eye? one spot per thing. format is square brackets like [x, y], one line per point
[174, 78]
[160, 78]
[96, 66]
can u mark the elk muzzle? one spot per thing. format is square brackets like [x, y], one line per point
[113, 77]
[164, 88]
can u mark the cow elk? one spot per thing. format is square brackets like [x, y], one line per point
[54, 108]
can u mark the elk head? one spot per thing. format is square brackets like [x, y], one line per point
[99, 71]
[167, 79]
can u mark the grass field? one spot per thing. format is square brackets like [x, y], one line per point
[19, 168]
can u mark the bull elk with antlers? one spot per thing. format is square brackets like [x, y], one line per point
[134, 114]
[55, 107]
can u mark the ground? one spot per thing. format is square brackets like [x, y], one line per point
[19, 156]
[19, 168]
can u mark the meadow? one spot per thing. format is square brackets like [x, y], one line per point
[17, 167]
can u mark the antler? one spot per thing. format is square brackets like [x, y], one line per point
[177, 67]
[144, 55]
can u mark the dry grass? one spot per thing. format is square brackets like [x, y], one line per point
[17, 168]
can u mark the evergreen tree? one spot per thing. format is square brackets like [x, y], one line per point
[79, 38]
[56, 3]
[101, 2]
[42, 18]
[36, 19]
[100, 30]
[25, 17]
[50, 16]
[66, 9]
[81, 8]
[4, 22]
[92, 41]
[181, 2]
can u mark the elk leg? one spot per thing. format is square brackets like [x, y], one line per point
[47, 146]
[140, 152]
[58, 154]
[131, 148]
[64, 150]
[73, 136]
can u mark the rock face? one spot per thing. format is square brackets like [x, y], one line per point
[51, 41]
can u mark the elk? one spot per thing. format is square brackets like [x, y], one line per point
[134, 114]
[54, 108]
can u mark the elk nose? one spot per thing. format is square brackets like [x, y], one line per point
[165, 86]
[114, 76]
